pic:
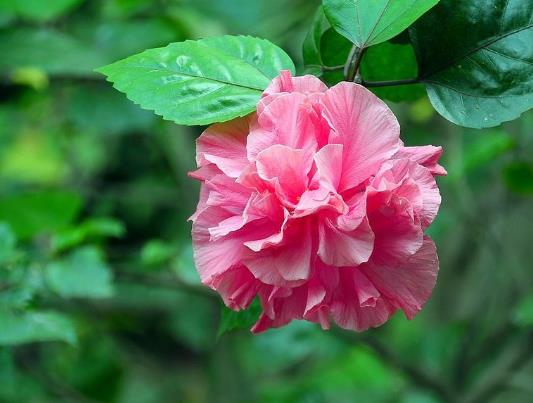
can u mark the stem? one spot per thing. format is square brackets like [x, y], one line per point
[349, 63]
[355, 76]
[391, 83]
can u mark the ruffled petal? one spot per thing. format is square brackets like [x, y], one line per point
[409, 285]
[339, 248]
[224, 144]
[427, 156]
[365, 126]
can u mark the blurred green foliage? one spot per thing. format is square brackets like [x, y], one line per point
[99, 299]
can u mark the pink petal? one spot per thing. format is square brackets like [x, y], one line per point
[287, 169]
[339, 248]
[329, 166]
[285, 82]
[224, 145]
[408, 286]
[289, 261]
[237, 286]
[365, 126]
[427, 156]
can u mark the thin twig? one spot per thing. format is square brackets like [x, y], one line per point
[355, 76]
[391, 83]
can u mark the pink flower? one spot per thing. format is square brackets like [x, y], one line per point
[314, 205]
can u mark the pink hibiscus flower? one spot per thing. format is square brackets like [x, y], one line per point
[314, 205]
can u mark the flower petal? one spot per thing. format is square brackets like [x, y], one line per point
[365, 126]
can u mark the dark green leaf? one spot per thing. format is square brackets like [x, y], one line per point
[485, 75]
[200, 82]
[7, 243]
[392, 62]
[231, 320]
[31, 213]
[518, 177]
[334, 49]
[35, 326]
[82, 274]
[367, 23]
[311, 47]
[523, 313]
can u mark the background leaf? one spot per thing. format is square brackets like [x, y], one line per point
[32, 213]
[235, 320]
[35, 326]
[367, 23]
[82, 274]
[200, 82]
[485, 76]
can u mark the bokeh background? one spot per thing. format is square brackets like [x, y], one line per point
[99, 298]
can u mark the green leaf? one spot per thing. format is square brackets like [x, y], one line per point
[92, 229]
[32, 213]
[367, 23]
[7, 243]
[82, 274]
[485, 75]
[157, 253]
[311, 47]
[387, 61]
[518, 177]
[231, 320]
[39, 10]
[35, 326]
[523, 313]
[200, 82]
[480, 150]
[52, 51]
[334, 49]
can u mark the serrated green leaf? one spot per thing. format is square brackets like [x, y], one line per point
[485, 76]
[367, 23]
[82, 274]
[518, 177]
[234, 320]
[200, 82]
[32, 213]
[35, 326]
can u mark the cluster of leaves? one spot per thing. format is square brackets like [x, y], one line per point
[482, 80]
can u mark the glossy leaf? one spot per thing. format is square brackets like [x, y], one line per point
[35, 326]
[82, 274]
[200, 82]
[367, 23]
[32, 213]
[485, 75]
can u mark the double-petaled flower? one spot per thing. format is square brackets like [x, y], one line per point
[315, 205]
